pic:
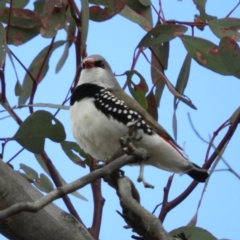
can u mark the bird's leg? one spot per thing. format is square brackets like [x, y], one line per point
[129, 148]
[141, 178]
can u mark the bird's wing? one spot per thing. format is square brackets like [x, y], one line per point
[132, 104]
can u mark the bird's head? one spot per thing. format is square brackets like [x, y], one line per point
[96, 70]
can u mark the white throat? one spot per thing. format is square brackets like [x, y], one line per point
[98, 76]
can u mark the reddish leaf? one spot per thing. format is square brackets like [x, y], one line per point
[111, 9]
[230, 55]
[130, 14]
[51, 24]
[18, 35]
[69, 148]
[139, 11]
[203, 17]
[20, 17]
[205, 53]
[226, 27]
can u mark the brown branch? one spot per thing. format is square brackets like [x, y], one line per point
[98, 204]
[29, 74]
[206, 165]
[233, 9]
[57, 181]
[3, 85]
[67, 188]
[142, 221]
[8, 21]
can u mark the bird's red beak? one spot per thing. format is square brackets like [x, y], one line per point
[89, 63]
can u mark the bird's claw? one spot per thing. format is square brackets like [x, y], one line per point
[146, 184]
[99, 164]
[141, 178]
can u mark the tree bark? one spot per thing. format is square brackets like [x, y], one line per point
[50, 223]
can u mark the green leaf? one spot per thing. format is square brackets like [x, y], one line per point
[18, 88]
[29, 171]
[230, 55]
[184, 75]
[160, 55]
[68, 148]
[226, 27]
[152, 105]
[139, 11]
[196, 233]
[20, 17]
[130, 14]
[161, 34]
[34, 69]
[112, 8]
[44, 183]
[205, 53]
[138, 91]
[203, 17]
[2, 4]
[38, 126]
[19, 3]
[29, 179]
[53, 22]
[174, 124]
[63, 58]
[180, 87]
[18, 36]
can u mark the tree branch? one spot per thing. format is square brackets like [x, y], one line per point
[63, 190]
[49, 223]
[142, 222]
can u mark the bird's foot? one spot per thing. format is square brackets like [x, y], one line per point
[141, 178]
[99, 164]
[146, 184]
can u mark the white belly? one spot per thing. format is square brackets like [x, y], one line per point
[95, 133]
[99, 136]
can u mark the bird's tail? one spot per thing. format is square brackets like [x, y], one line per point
[197, 173]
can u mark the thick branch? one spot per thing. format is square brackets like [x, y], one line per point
[49, 223]
[142, 222]
[63, 190]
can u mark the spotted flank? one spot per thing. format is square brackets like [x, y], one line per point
[111, 106]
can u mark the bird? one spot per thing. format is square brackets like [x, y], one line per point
[100, 112]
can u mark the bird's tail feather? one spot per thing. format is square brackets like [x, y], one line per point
[197, 173]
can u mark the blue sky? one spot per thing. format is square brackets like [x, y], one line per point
[215, 96]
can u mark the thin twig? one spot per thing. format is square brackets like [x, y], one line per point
[63, 190]
[206, 165]
[233, 9]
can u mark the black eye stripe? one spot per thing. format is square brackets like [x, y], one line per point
[96, 64]
[99, 64]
